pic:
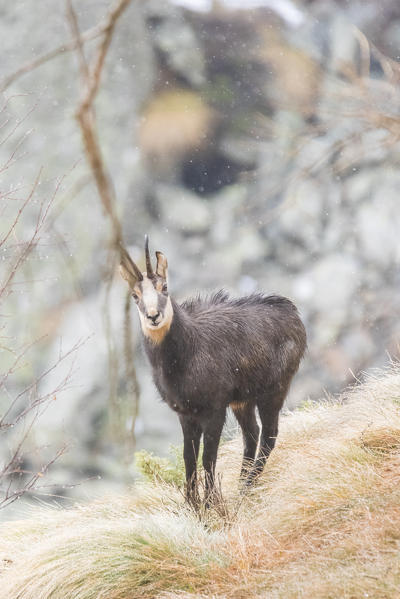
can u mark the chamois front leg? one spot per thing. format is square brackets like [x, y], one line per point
[212, 429]
[191, 443]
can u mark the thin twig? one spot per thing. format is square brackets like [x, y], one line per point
[89, 34]
[73, 19]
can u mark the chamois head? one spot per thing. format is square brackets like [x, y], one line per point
[150, 291]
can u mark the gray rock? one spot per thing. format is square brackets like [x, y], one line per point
[301, 214]
[315, 154]
[344, 45]
[173, 35]
[378, 225]
[227, 207]
[226, 263]
[328, 288]
[360, 186]
[240, 149]
[183, 210]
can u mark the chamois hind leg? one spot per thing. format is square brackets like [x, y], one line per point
[191, 443]
[269, 431]
[246, 417]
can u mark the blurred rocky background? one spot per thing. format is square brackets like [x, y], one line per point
[257, 143]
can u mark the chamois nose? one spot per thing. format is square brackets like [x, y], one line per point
[153, 317]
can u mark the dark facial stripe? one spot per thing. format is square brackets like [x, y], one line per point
[161, 303]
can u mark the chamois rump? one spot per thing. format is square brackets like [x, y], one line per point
[210, 353]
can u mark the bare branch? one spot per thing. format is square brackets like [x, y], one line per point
[85, 114]
[32, 242]
[20, 211]
[71, 14]
[10, 494]
[109, 26]
[89, 34]
[91, 77]
[33, 385]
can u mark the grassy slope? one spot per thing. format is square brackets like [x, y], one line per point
[324, 522]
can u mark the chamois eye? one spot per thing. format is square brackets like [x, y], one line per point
[165, 288]
[135, 296]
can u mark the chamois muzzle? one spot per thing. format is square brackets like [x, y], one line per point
[154, 318]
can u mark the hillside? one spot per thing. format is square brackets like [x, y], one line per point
[323, 523]
[259, 151]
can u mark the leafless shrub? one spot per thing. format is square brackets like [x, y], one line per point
[22, 399]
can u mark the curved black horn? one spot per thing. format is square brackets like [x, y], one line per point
[149, 268]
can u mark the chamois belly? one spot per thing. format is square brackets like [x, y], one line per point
[189, 397]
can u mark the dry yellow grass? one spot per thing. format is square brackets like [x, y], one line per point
[323, 523]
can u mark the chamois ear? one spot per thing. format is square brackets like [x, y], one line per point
[128, 269]
[162, 265]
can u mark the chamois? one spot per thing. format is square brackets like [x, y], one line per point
[211, 353]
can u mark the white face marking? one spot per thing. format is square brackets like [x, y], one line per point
[150, 301]
[149, 296]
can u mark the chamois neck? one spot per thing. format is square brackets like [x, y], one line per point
[178, 339]
[180, 332]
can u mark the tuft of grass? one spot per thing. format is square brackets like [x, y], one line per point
[170, 470]
[323, 522]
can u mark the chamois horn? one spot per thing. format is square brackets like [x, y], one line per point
[149, 268]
